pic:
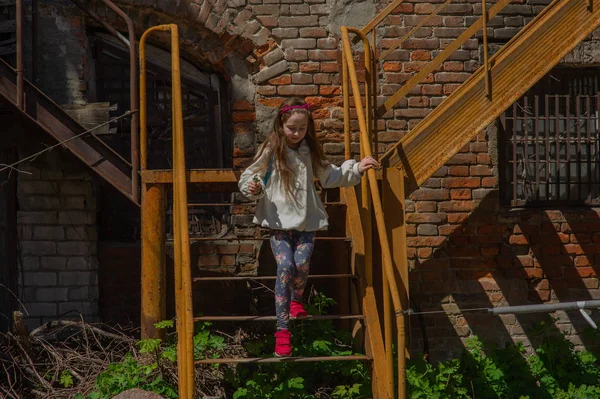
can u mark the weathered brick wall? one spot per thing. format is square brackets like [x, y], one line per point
[465, 250]
[57, 238]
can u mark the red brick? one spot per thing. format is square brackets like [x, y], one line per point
[489, 182]
[463, 159]
[490, 251]
[430, 195]
[425, 241]
[433, 218]
[297, 90]
[281, 80]
[451, 77]
[426, 206]
[271, 102]
[580, 272]
[449, 229]
[330, 66]
[460, 194]
[480, 171]
[518, 240]
[573, 249]
[456, 206]
[461, 182]
[242, 105]
[432, 90]
[266, 90]
[330, 90]
[323, 55]
[405, 8]
[313, 32]
[243, 116]
[393, 66]
[431, 276]
[228, 260]
[450, 88]
[457, 170]
[478, 147]
[308, 67]
[484, 159]
[458, 218]
[227, 249]
[322, 78]
[247, 248]
[424, 252]
[208, 260]
[453, 66]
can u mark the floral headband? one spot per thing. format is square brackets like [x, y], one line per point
[291, 107]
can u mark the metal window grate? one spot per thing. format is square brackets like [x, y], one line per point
[549, 142]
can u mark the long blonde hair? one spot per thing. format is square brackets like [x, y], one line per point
[277, 144]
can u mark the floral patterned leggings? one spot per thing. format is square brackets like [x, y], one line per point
[292, 250]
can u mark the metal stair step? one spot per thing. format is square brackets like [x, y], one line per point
[205, 239]
[248, 278]
[286, 359]
[273, 318]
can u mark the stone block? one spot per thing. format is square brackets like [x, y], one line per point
[78, 278]
[48, 232]
[42, 309]
[271, 72]
[53, 294]
[39, 279]
[53, 263]
[38, 247]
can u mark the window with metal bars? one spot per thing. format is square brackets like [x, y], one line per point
[549, 142]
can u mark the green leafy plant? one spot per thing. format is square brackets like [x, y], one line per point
[66, 379]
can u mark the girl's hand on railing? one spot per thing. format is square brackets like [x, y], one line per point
[366, 164]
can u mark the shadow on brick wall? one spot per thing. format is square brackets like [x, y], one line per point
[497, 257]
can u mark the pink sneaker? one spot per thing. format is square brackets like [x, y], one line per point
[297, 310]
[283, 343]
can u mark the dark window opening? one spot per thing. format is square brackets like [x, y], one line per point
[548, 142]
[208, 141]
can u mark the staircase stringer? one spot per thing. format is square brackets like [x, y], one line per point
[514, 69]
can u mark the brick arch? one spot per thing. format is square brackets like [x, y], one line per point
[211, 31]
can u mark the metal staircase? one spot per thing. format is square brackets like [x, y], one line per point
[24, 98]
[500, 81]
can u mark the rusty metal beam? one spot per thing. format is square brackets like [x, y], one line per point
[20, 67]
[154, 276]
[285, 359]
[525, 59]
[273, 278]
[216, 176]
[52, 119]
[273, 318]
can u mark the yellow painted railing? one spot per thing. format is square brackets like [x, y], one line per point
[183, 277]
[389, 278]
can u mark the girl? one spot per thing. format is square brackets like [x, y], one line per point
[282, 178]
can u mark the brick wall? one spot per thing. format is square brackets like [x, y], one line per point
[56, 222]
[465, 250]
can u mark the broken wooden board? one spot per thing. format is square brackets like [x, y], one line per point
[91, 115]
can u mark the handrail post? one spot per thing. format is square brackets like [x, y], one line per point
[183, 282]
[346, 98]
[484, 20]
[19, 27]
[379, 216]
[133, 100]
